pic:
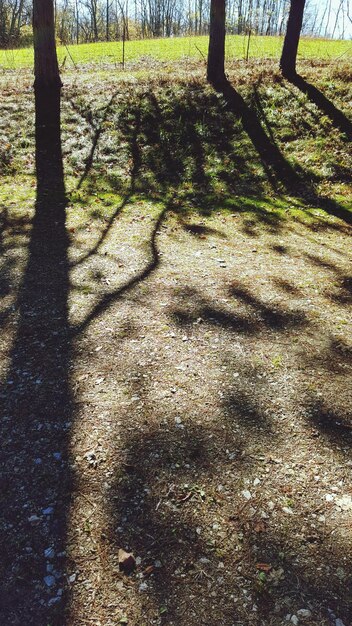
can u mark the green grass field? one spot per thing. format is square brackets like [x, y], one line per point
[177, 48]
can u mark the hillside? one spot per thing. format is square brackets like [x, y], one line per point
[176, 378]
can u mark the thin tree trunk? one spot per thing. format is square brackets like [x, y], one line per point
[293, 31]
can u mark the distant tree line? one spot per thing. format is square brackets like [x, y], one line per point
[82, 21]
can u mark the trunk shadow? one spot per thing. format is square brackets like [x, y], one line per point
[326, 106]
[36, 406]
[277, 168]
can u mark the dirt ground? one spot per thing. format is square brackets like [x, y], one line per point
[176, 384]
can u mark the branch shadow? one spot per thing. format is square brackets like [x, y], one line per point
[257, 315]
[97, 129]
[331, 423]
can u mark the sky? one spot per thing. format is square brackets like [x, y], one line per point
[334, 8]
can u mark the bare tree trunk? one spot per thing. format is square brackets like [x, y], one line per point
[77, 22]
[47, 90]
[337, 18]
[293, 31]
[326, 34]
[216, 52]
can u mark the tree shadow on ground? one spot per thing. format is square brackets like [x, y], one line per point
[189, 143]
[39, 410]
[36, 411]
[257, 316]
[164, 532]
[331, 423]
[277, 167]
[324, 104]
[185, 574]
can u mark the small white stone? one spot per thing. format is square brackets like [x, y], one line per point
[304, 613]
[203, 559]
[247, 494]
[287, 510]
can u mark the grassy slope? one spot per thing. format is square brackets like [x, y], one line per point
[187, 141]
[173, 49]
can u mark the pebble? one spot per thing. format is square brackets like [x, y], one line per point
[247, 494]
[304, 613]
[203, 559]
[127, 561]
[293, 619]
[57, 456]
[49, 581]
[344, 502]
[48, 511]
[49, 553]
[143, 587]
[287, 510]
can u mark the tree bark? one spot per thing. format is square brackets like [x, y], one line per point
[216, 52]
[293, 31]
[47, 91]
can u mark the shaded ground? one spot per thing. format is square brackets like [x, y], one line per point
[177, 383]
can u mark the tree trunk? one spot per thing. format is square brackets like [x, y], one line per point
[216, 52]
[293, 31]
[47, 91]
